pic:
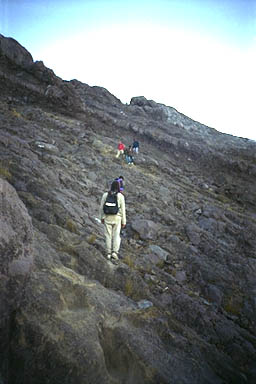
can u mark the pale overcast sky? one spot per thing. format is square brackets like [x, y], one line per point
[198, 56]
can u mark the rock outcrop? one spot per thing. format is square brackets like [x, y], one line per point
[180, 306]
[16, 254]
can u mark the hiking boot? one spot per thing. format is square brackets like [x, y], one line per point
[114, 256]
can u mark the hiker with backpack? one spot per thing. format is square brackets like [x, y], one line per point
[128, 155]
[113, 216]
[120, 180]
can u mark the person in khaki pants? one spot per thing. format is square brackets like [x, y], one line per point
[120, 149]
[113, 222]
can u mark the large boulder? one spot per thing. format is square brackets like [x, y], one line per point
[146, 229]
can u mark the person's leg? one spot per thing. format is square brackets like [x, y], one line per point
[116, 235]
[118, 153]
[108, 237]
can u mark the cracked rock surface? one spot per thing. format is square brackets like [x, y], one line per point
[180, 306]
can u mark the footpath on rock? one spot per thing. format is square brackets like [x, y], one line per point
[180, 307]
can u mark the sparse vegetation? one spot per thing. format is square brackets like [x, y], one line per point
[16, 114]
[71, 226]
[129, 261]
[5, 173]
[129, 288]
[68, 249]
[201, 296]
[233, 305]
[92, 238]
[161, 264]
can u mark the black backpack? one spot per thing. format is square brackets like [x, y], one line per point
[110, 206]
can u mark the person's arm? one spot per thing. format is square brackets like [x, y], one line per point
[122, 208]
[101, 212]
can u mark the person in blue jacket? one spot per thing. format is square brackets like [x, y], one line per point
[135, 146]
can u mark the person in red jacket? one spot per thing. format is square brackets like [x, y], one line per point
[120, 149]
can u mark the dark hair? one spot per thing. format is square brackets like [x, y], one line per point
[115, 187]
[121, 177]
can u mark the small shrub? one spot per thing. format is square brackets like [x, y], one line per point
[29, 200]
[71, 226]
[161, 264]
[128, 288]
[223, 199]
[92, 238]
[5, 173]
[178, 204]
[151, 284]
[69, 249]
[233, 305]
[16, 114]
[129, 261]
[149, 314]
[136, 236]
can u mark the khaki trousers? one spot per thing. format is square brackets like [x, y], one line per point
[112, 235]
[119, 152]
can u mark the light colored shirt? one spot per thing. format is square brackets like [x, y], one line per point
[121, 212]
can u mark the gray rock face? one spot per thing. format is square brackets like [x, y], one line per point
[16, 233]
[180, 305]
[158, 251]
[15, 52]
[16, 255]
[146, 229]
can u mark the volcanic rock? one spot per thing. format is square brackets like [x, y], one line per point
[180, 305]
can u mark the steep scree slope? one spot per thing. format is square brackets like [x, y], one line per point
[180, 307]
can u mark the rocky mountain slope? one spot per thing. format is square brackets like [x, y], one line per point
[180, 307]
